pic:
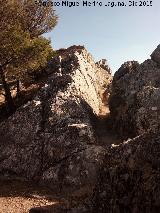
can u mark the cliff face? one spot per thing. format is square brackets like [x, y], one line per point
[51, 138]
[135, 99]
[88, 79]
[129, 180]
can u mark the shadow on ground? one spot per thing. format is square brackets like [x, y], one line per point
[17, 196]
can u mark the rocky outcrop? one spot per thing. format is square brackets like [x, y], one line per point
[155, 56]
[51, 139]
[129, 180]
[104, 65]
[135, 99]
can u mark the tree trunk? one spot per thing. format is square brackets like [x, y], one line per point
[8, 96]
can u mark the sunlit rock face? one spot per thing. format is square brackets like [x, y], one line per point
[51, 139]
[135, 99]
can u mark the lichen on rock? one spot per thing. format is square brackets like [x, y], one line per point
[51, 138]
[129, 180]
[135, 100]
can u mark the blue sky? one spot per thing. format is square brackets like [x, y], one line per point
[117, 34]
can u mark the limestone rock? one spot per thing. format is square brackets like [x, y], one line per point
[51, 139]
[129, 180]
[135, 99]
[104, 65]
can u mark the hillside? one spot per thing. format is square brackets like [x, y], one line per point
[90, 139]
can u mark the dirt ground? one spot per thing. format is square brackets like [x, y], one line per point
[19, 197]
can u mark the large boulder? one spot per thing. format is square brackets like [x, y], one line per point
[51, 139]
[129, 180]
[135, 98]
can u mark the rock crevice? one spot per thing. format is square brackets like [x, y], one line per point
[52, 139]
[129, 179]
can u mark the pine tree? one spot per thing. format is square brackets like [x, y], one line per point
[22, 47]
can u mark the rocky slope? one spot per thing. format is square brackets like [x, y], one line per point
[129, 179]
[51, 139]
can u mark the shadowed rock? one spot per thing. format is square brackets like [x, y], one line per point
[135, 99]
[129, 180]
